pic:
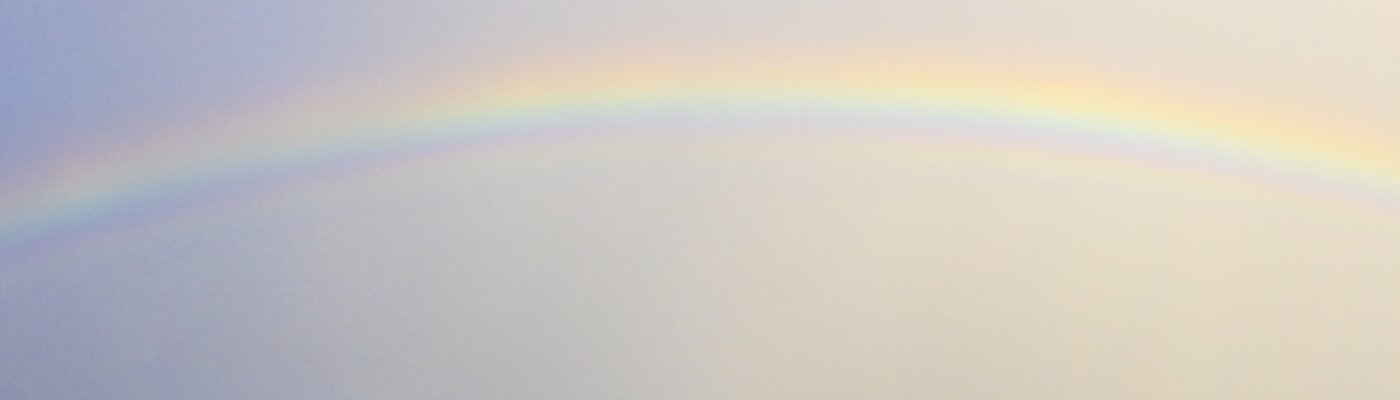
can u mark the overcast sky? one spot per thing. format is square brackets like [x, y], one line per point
[705, 260]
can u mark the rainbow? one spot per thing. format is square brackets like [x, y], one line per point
[1097, 127]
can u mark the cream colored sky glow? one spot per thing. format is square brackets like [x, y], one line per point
[751, 257]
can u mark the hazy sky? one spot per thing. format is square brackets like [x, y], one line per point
[653, 258]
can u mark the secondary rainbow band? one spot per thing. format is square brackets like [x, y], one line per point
[1058, 123]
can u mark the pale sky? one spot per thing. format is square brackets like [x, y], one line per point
[640, 258]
